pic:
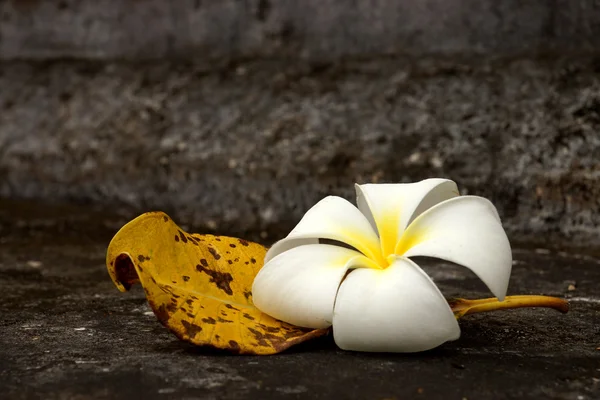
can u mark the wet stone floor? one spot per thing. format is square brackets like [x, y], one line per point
[67, 333]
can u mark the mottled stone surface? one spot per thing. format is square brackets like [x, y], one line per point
[247, 148]
[67, 333]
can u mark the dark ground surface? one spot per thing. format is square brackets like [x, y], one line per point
[67, 333]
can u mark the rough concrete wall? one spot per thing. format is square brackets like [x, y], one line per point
[250, 147]
[310, 29]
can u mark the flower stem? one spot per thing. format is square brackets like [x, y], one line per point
[462, 307]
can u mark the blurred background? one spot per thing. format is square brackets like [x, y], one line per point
[236, 116]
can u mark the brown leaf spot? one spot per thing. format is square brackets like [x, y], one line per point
[166, 219]
[217, 337]
[190, 329]
[204, 262]
[161, 313]
[233, 345]
[252, 260]
[229, 262]
[166, 288]
[176, 238]
[209, 320]
[182, 237]
[190, 315]
[221, 279]
[246, 263]
[231, 307]
[232, 245]
[141, 258]
[248, 316]
[189, 302]
[243, 242]
[172, 307]
[218, 239]
[214, 253]
[224, 321]
[247, 294]
[295, 333]
[185, 278]
[261, 338]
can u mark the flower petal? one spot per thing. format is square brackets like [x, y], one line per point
[299, 286]
[397, 309]
[391, 207]
[332, 218]
[465, 230]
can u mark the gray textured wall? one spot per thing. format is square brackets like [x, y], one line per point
[313, 29]
[250, 147]
[149, 104]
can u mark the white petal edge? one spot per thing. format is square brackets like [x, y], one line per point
[390, 207]
[397, 309]
[299, 286]
[465, 230]
[332, 218]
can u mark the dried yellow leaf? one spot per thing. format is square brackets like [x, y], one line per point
[199, 286]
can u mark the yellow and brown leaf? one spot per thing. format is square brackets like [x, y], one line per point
[199, 286]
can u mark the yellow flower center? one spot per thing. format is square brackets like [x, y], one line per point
[391, 248]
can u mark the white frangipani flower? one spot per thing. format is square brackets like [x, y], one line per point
[374, 295]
